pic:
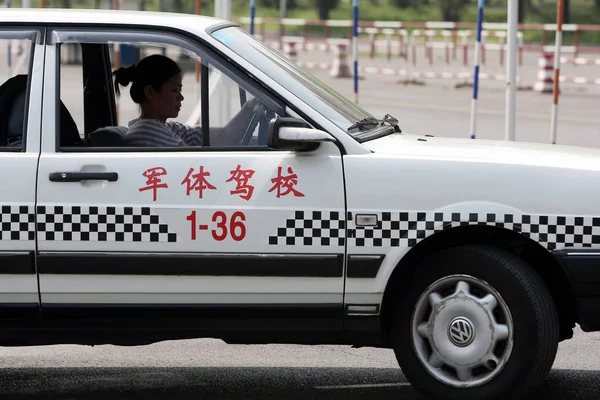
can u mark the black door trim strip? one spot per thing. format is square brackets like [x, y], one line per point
[17, 263]
[196, 264]
[207, 311]
[364, 265]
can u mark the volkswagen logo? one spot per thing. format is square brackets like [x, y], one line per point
[461, 332]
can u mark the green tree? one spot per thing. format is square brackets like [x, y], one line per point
[408, 3]
[451, 10]
[567, 12]
[522, 11]
[275, 4]
[324, 7]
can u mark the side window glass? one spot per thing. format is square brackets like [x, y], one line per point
[148, 96]
[15, 69]
[236, 117]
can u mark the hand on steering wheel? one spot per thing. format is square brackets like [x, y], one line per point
[259, 116]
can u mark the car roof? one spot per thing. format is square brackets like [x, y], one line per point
[189, 22]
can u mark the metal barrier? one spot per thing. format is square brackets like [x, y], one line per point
[327, 25]
[545, 76]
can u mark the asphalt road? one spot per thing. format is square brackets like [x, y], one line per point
[208, 368]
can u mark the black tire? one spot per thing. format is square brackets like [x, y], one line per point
[534, 321]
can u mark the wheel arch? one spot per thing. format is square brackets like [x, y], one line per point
[550, 270]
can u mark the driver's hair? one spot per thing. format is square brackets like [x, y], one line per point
[153, 70]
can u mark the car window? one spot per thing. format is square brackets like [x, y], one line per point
[15, 69]
[154, 110]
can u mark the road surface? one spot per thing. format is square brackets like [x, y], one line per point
[208, 368]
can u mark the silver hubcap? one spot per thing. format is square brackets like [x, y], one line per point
[462, 331]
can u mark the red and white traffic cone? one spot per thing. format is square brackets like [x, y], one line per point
[340, 67]
[545, 76]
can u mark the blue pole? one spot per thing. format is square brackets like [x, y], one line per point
[355, 48]
[477, 62]
[252, 13]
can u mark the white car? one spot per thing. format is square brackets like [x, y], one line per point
[471, 259]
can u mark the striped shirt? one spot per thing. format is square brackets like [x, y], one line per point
[147, 132]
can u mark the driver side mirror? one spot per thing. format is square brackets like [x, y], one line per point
[288, 133]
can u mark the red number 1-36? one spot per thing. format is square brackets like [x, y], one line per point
[236, 228]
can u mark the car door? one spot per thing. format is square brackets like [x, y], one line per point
[188, 227]
[21, 74]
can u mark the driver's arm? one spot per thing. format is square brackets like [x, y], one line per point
[232, 133]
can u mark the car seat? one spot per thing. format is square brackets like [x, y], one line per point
[13, 109]
[108, 136]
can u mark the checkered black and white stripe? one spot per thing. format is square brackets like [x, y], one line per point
[406, 229]
[312, 228]
[17, 222]
[101, 223]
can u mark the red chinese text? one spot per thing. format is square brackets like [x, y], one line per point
[285, 184]
[153, 181]
[241, 178]
[197, 181]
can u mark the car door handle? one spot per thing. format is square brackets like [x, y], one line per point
[83, 176]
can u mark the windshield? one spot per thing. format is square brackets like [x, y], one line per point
[337, 108]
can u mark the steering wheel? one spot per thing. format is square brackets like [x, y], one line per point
[258, 117]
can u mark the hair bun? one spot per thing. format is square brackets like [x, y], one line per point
[125, 75]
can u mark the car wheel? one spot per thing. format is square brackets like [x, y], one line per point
[476, 323]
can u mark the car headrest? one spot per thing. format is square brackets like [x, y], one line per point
[17, 117]
[107, 136]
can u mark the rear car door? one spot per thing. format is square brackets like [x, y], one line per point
[21, 71]
[239, 228]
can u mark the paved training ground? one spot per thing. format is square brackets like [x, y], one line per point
[211, 369]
